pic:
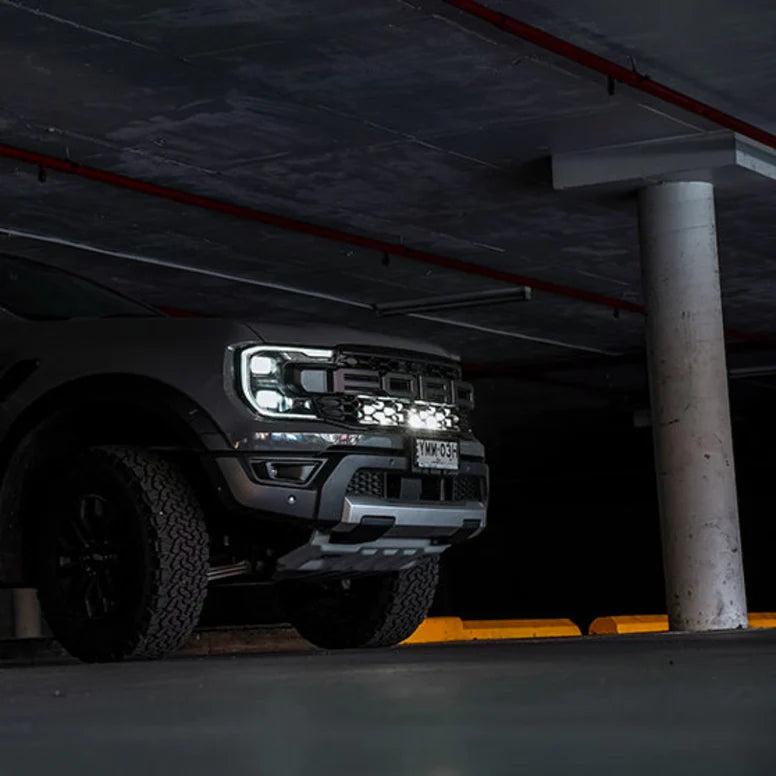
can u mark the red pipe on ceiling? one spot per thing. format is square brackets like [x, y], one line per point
[315, 230]
[611, 69]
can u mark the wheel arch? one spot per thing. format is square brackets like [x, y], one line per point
[99, 410]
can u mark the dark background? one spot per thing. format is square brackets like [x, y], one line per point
[573, 520]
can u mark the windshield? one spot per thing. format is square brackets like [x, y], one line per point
[41, 293]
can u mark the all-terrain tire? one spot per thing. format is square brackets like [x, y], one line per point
[379, 610]
[149, 533]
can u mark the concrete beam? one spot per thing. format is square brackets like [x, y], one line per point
[721, 158]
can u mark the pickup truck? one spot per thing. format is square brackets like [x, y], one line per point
[145, 456]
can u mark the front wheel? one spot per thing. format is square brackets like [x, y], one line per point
[380, 610]
[121, 555]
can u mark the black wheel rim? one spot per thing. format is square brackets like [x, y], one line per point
[88, 557]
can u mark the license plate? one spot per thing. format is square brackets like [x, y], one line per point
[436, 454]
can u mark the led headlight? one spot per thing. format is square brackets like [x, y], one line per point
[262, 365]
[265, 384]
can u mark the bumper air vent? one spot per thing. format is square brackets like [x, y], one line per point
[427, 487]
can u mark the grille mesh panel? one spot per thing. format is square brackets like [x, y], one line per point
[368, 482]
[437, 488]
[467, 487]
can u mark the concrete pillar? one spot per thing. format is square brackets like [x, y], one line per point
[26, 613]
[690, 409]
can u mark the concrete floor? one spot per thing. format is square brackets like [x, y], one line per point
[652, 704]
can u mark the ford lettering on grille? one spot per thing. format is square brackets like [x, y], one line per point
[437, 390]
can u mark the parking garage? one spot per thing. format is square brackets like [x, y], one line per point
[576, 201]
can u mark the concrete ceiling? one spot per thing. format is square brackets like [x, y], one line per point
[406, 121]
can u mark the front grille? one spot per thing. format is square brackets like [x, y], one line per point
[395, 389]
[421, 487]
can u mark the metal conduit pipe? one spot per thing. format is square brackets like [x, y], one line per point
[53, 240]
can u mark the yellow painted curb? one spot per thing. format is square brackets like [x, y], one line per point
[637, 623]
[519, 629]
[658, 623]
[762, 619]
[437, 629]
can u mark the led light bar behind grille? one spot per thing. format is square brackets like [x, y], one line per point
[376, 411]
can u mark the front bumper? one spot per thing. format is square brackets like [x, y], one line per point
[357, 531]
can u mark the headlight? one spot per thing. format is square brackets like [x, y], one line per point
[267, 386]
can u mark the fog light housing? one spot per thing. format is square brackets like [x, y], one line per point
[285, 471]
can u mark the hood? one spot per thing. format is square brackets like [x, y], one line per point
[322, 336]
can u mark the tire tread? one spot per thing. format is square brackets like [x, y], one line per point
[176, 556]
